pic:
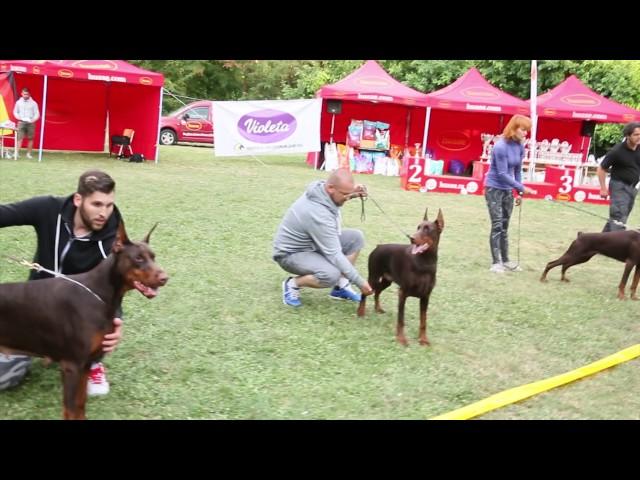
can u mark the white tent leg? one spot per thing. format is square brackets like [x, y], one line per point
[157, 147]
[44, 115]
[427, 119]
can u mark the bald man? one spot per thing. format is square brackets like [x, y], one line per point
[311, 244]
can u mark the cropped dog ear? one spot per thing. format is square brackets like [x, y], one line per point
[146, 238]
[426, 217]
[121, 238]
[440, 220]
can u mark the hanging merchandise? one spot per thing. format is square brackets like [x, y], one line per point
[330, 157]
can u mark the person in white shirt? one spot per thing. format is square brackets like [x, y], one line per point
[27, 113]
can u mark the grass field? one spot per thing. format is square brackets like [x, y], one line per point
[218, 343]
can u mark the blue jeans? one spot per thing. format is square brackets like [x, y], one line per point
[500, 204]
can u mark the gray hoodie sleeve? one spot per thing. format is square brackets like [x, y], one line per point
[323, 229]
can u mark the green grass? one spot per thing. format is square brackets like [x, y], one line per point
[218, 343]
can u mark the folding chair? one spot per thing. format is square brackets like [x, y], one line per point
[124, 141]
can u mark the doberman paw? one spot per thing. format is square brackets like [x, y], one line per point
[402, 341]
[380, 310]
[425, 342]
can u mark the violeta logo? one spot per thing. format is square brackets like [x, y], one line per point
[267, 126]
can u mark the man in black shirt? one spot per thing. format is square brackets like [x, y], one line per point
[623, 162]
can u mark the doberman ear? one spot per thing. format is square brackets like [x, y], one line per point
[426, 217]
[146, 239]
[440, 220]
[121, 238]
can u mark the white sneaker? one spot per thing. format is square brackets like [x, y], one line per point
[497, 268]
[512, 266]
[97, 383]
[29, 155]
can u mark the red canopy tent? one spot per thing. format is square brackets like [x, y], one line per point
[563, 113]
[81, 101]
[459, 113]
[370, 93]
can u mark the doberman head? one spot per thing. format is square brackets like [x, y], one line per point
[135, 263]
[427, 235]
[412, 267]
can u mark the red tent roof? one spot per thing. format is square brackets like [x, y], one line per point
[573, 99]
[371, 83]
[472, 93]
[104, 70]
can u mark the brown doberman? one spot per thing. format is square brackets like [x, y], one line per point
[413, 267]
[622, 245]
[67, 318]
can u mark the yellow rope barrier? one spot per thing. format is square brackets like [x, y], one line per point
[519, 393]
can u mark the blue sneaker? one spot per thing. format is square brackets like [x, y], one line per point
[290, 295]
[345, 294]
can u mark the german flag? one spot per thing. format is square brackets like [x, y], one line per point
[8, 95]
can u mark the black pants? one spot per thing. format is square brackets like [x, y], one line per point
[500, 204]
[623, 196]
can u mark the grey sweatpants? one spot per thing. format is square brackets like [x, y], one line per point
[313, 263]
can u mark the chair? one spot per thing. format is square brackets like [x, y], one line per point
[124, 141]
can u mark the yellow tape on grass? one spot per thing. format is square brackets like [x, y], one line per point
[519, 393]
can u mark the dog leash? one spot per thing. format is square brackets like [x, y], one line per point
[362, 215]
[40, 268]
[564, 204]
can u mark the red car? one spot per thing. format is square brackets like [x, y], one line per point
[191, 123]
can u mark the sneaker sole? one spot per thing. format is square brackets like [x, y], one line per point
[345, 299]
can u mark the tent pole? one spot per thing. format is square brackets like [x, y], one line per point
[157, 147]
[333, 119]
[427, 119]
[44, 115]
[408, 126]
[533, 98]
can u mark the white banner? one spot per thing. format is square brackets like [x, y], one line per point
[267, 126]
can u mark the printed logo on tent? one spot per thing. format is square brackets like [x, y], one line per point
[479, 92]
[444, 104]
[629, 117]
[454, 140]
[472, 187]
[64, 73]
[373, 82]
[193, 125]
[581, 100]
[550, 112]
[563, 197]
[375, 98]
[267, 126]
[145, 81]
[96, 64]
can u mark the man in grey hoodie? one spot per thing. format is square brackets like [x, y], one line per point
[311, 244]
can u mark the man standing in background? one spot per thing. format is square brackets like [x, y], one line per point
[27, 114]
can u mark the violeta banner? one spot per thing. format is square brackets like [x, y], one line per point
[267, 127]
